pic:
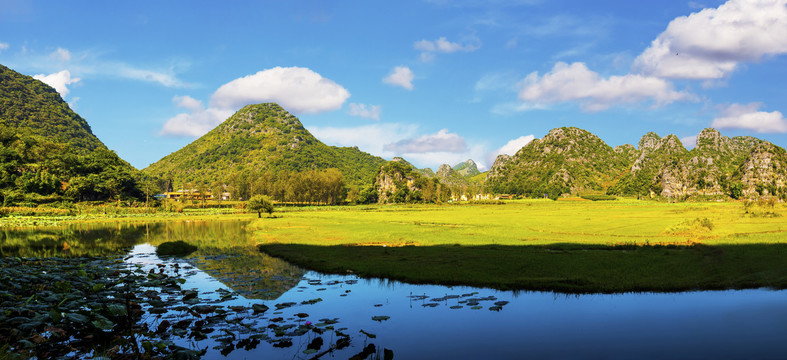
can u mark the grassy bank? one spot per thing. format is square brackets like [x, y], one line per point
[579, 246]
[567, 268]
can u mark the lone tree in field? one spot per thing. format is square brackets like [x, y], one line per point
[260, 203]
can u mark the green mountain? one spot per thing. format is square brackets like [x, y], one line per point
[262, 138]
[48, 152]
[571, 160]
[567, 160]
[467, 169]
[399, 181]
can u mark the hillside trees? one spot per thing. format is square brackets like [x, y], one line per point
[305, 187]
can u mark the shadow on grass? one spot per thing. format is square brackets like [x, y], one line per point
[566, 268]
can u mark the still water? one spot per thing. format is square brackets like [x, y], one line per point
[310, 313]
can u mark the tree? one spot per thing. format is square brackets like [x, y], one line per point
[260, 203]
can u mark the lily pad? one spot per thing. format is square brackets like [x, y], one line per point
[380, 318]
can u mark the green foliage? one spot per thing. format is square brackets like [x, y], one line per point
[260, 204]
[736, 190]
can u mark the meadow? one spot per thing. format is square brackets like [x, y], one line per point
[569, 246]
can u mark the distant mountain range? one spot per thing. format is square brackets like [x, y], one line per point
[572, 160]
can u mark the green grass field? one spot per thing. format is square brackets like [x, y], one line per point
[571, 246]
[529, 222]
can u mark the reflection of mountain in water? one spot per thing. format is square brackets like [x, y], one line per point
[225, 251]
[248, 272]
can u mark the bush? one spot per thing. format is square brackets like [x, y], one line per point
[599, 197]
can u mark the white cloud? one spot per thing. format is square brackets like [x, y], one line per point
[88, 64]
[442, 45]
[299, 90]
[512, 146]
[711, 43]
[748, 117]
[61, 54]
[368, 138]
[364, 111]
[511, 108]
[188, 102]
[73, 103]
[59, 81]
[166, 78]
[3, 46]
[375, 138]
[576, 82]
[689, 141]
[197, 122]
[442, 141]
[400, 76]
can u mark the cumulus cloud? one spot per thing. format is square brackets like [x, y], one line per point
[188, 102]
[575, 82]
[59, 81]
[297, 89]
[3, 46]
[400, 76]
[367, 138]
[510, 148]
[739, 116]
[428, 48]
[442, 141]
[364, 111]
[513, 145]
[711, 43]
[197, 121]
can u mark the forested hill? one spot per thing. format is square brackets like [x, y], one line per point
[29, 104]
[48, 153]
[261, 138]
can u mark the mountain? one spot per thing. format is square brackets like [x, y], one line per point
[49, 153]
[571, 160]
[567, 160]
[467, 169]
[262, 138]
[399, 181]
[29, 105]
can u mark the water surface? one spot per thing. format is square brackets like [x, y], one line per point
[423, 321]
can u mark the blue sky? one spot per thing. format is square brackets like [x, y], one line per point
[433, 81]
